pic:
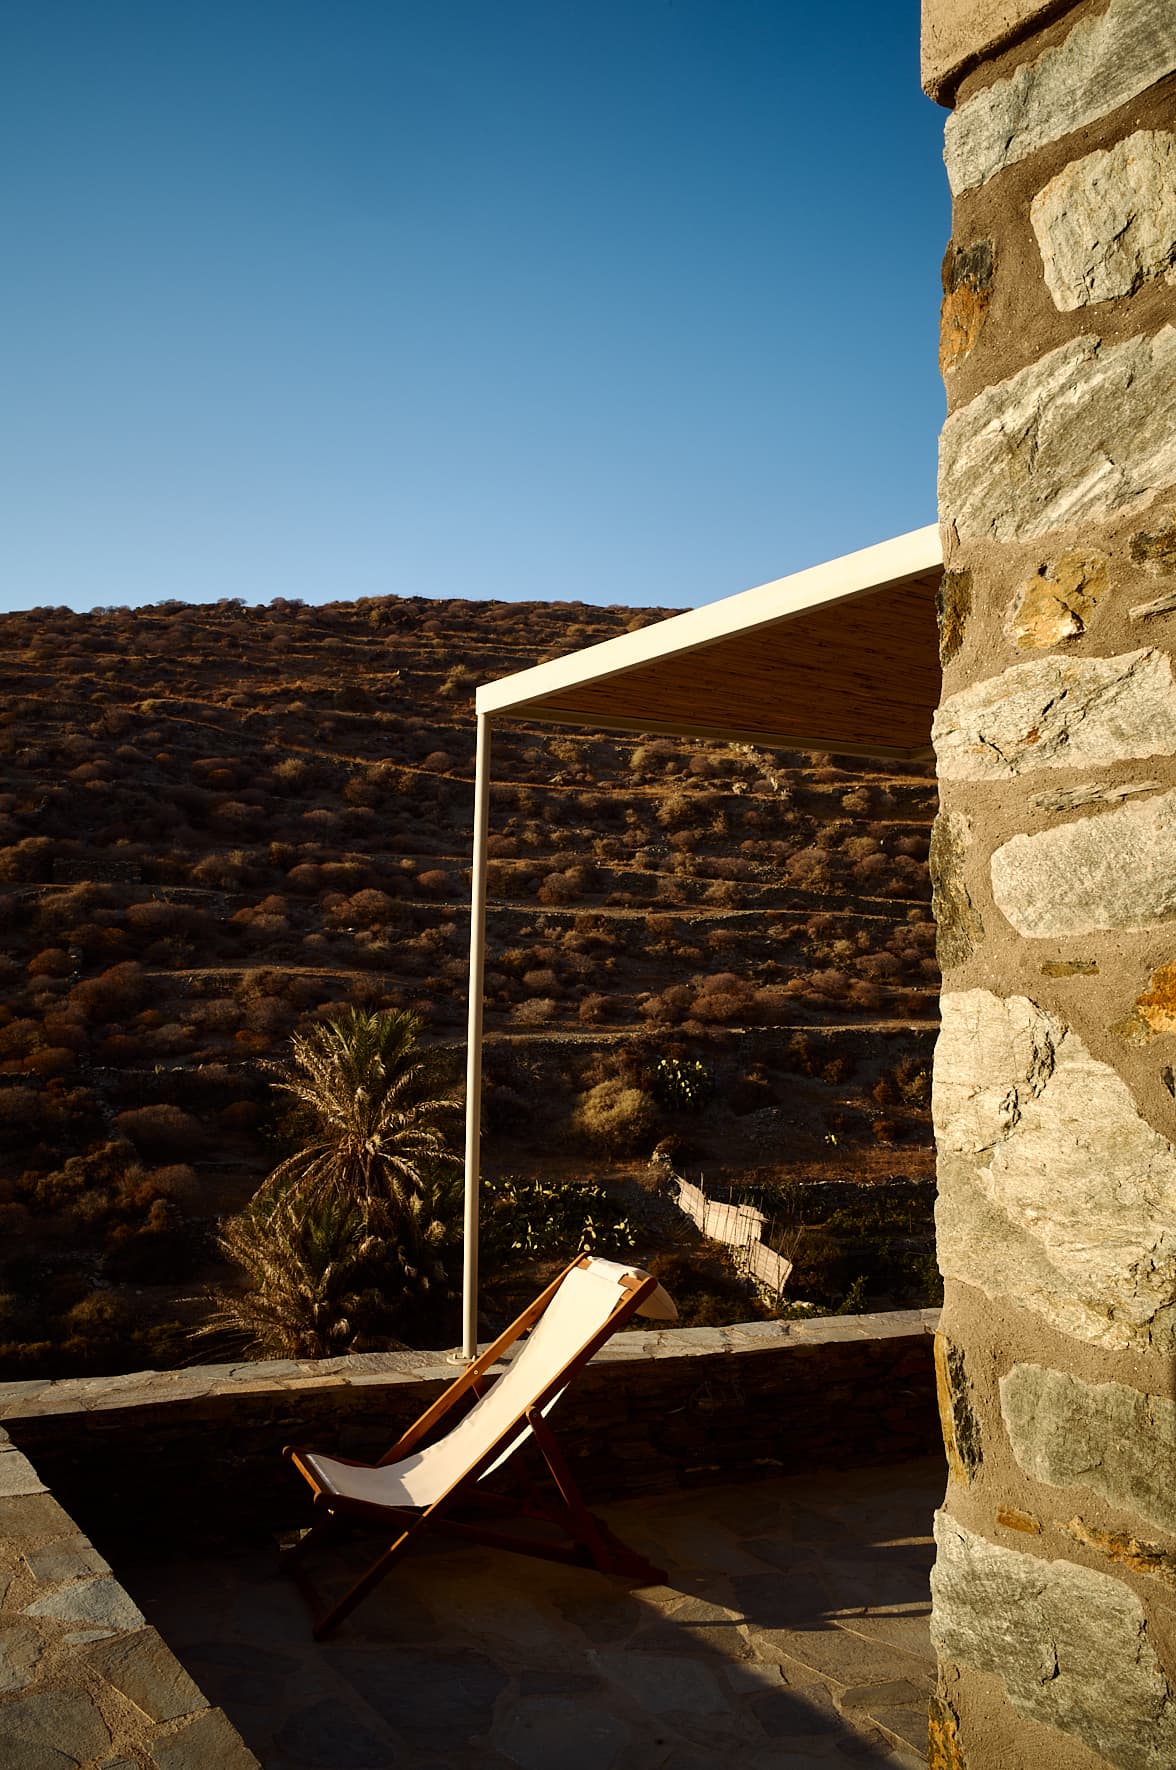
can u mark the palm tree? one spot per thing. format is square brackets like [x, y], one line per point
[380, 1125]
[354, 1236]
[305, 1295]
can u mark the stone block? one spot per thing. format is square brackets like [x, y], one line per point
[1107, 223]
[20, 1649]
[1159, 605]
[958, 927]
[1054, 1193]
[146, 1671]
[944, 1751]
[1103, 62]
[1115, 1440]
[102, 1601]
[953, 609]
[1155, 551]
[1072, 439]
[1090, 793]
[34, 1515]
[1072, 1646]
[60, 1721]
[1126, 1550]
[1058, 712]
[72, 1559]
[1113, 870]
[958, 1418]
[1058, 603]
[967, 290]
[17, 1475]
[957, 33]
[207, 1739]
[1012, 1518]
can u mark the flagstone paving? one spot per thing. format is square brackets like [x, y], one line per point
[793, 1632]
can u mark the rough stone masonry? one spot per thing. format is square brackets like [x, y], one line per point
[1054, 867]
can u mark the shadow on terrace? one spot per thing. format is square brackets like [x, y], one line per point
[793, 1632]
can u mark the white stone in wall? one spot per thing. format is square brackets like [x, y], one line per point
[1103, 62]
[1107, 223]
[1054, 1194]
[1058, 712]
[1117, 1441]
[1083, 433]
[1072, 1646]
[1116, 869]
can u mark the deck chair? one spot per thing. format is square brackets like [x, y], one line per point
[416, 1485]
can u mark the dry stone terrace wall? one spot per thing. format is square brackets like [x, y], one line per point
[1054, 867]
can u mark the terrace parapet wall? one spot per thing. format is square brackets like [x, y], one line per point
[1055, 881]
[654, 1411]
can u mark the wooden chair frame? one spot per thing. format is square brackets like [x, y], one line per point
[589, 1542]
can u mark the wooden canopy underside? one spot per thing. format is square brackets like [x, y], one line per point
[860, 675]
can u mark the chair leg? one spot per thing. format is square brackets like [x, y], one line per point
[326, 1623]
[325, 1525]
[608, 1553]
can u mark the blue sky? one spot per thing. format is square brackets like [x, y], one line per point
[629, 302]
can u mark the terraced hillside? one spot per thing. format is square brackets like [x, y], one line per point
[218, 821]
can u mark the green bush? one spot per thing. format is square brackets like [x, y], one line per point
[683, 1084]
[542, 1217]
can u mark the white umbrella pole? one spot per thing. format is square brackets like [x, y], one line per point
[473, 1123]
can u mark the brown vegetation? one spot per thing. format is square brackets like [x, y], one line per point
[221, 824]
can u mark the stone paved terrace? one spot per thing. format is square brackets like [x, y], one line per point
[793, 1633]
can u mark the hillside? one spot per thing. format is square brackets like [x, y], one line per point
[218, 821]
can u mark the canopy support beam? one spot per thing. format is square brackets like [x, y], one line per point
[473, 1106]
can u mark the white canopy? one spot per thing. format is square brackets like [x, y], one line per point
[841, 657]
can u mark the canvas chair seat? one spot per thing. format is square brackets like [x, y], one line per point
[567, 1325]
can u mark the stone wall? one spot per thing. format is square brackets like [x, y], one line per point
[1055, 883]
[653, 1412]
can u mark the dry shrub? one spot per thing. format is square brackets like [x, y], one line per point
[829, 985]
[111, 995]
[371, 908]
[53, 961]
[540, 982]
[557, 888]
[306, 879]
[28, 862]
[178, 1181]
[224, 872]
[349, 874]
[722, 997]
[221, 1015]
[19, 1037]
[593, 1010]
[64, 1029]
[535, 1011]
[670, 1007]
[615, 1118]
[50, 1060]
[161, 1131]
